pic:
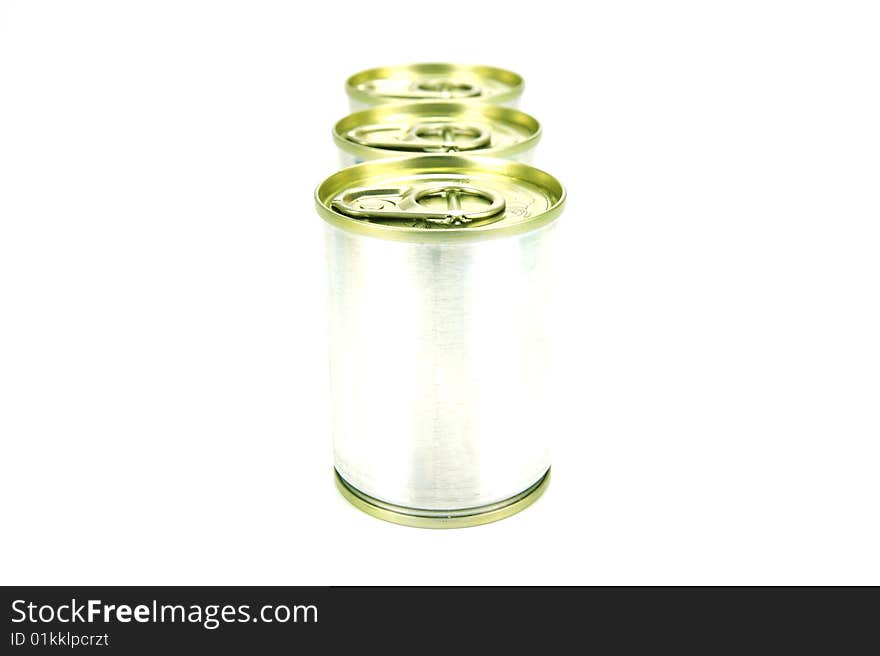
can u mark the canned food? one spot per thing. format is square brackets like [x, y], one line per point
[440, 335]
[416, 82]
[436, 127]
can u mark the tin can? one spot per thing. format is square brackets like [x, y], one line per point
[436, 127]
[440, 306]
[417, 82]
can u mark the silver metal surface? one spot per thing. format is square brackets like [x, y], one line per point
[347, 159]
[440, 363]
[359, 106]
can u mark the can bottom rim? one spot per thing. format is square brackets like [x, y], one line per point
[423, 518]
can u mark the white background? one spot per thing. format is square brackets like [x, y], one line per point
[163, 375]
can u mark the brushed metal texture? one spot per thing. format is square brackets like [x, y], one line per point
[441, 366]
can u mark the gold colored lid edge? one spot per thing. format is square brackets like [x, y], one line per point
[442, 519]
[438, 107]
[497, 73]
[490, 231]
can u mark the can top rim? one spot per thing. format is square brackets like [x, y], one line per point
[455, 110]
[513, 81]
[513, 187]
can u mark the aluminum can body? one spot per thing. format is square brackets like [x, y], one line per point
[441, 354]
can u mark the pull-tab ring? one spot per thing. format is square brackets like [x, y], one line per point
[445, 87]
[476, 136]
[436, 88]
[408, 204]
[436, 137]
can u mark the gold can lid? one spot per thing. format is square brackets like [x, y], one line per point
[440, 197]
[437, 127]
[416, 82]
